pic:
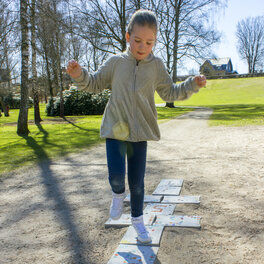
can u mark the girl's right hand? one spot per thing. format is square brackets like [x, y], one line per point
[74, 69]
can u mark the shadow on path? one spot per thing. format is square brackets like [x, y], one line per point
[72, 123]
[148, 255]
[55, 194]
[200, 113]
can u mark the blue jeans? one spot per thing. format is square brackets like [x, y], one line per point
[136, 152]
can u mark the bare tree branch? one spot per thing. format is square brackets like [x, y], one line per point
[250, 42]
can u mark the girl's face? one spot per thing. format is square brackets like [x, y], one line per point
[141, 40]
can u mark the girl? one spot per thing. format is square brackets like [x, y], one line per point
[130, 117]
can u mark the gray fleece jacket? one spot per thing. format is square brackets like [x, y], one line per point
[130, 113]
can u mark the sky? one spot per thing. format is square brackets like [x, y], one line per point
[226, 22]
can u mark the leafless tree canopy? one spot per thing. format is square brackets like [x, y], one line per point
[184, 30]
[88, 31]
[250, 42]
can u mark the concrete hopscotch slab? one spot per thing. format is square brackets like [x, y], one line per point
[171, 182]
[147, 198]
[134, 254]
[157, 209]
[167, 190]
[125, 220]
[181, 199]
[157, 215]
[178, 220]
[169, 187]
[155, 232]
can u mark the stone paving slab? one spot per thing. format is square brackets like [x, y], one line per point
[171, 182]
[157, 215]
[134, 254]
[167, 190]
[178, 220]
[155, 232]
[125, 220]
[169, 187]
[147, 198]
[158, 208]
[181, 199]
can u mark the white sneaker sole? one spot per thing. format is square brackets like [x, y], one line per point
[145, 241]
[115, 218]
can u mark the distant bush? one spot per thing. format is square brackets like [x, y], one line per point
[13, 101]
[78, 103]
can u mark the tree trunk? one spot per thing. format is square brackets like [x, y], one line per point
[45, 96]
[60, 81]
[8, 68]
[4, 107]
[22, 124]
[37, 117]
[61, 102]
[175, 47]
[48, 73]
[123, 25]
[170, 105]
[61, 90]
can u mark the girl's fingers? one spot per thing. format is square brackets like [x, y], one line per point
[72, 65]
[74, 69]
[202, 80]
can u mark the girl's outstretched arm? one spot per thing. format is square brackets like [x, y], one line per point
[92, 82]
[170, 91]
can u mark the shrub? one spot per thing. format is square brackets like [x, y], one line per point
[13, 101]
[78, 103]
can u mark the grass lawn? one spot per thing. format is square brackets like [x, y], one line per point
[55, 136]
[236, 102]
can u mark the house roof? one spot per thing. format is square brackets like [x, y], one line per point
[220, 61]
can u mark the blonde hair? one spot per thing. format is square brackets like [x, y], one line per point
[143, 18]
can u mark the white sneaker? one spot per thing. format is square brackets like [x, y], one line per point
[143, 234]
[116, 208]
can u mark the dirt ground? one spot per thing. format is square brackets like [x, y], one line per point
[55, 212]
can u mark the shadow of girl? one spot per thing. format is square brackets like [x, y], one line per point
[54, 193]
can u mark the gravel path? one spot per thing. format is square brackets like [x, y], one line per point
[55, 212]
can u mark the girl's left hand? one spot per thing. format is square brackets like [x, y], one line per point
[200, 80]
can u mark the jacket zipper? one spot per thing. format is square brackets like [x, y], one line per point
[135, 101]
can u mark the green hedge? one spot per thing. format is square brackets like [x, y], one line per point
[78, 103]
[13, 101]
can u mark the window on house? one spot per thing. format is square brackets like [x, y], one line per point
[206, 70]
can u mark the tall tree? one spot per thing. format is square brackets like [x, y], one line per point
[7, 21]
[250, 41]
[74, 43]
[58, 48]
[22, 124]
[183, 31]
[107, 21]
[8, 42]
[37, 117]
[51, 37]
[4, 78]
